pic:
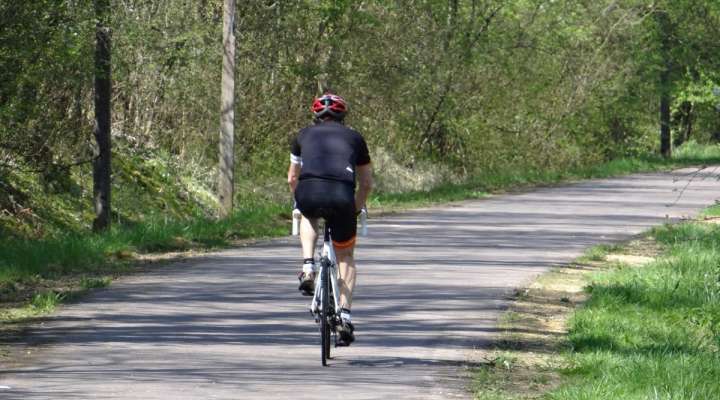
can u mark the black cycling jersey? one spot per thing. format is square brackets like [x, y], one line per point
[329, 150]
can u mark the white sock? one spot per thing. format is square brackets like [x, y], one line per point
[345, 315]
[308, 268]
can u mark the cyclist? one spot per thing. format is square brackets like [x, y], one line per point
[325, 160]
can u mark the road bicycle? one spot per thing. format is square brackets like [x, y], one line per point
[326, 298]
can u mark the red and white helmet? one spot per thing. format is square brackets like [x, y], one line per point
[329, 104]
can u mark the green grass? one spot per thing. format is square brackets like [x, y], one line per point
[69, 249]
[713, 211]
[46, 301]
[694, 152]
[598, 252]
[73, 253]
[652, 332]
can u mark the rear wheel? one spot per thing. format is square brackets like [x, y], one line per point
[325, 312]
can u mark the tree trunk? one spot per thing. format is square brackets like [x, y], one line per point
[103, 92]
[665, 143]
[715, 135]
[321, 58]
[227, 113]
[685, 120]
[665, 84]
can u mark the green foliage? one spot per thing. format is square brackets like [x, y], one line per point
[444, 91]
[46, 302]
[698, 153]
[45, 66]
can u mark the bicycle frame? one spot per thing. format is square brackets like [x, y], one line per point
[329, 319]
[329, 252]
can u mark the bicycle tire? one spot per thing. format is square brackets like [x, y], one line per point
[325, 313]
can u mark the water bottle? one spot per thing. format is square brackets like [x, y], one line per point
[363, 222]
[296, 217]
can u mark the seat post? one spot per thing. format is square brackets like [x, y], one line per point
[327, 232]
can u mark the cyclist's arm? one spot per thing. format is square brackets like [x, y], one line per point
[293, 174]
[295, 163]
[365, 184]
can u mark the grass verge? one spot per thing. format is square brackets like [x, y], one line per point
[29, 268]
[47, 300]
[652, 332]
[642, 333]
[691, 154]
[36, 276]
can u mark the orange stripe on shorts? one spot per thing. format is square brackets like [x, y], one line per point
[344, 245]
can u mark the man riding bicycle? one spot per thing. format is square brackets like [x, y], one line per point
[325, 160]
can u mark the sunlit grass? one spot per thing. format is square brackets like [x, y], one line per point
[694, 152]
[22, 260]
[598, 252]
[652, 332]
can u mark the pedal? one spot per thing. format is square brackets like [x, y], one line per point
[341, 343]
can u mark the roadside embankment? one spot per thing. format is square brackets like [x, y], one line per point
[638, 320]
[37, 274]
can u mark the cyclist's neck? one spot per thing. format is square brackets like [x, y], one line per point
[328, 119]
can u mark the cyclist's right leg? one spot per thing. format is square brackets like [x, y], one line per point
[308, 238]
[308, 198]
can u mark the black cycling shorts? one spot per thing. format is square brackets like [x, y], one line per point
[335, 202]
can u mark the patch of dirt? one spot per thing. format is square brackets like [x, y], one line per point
[631, 260]
[712, 220]
[526, 361]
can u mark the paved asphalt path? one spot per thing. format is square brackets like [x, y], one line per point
[432, 283]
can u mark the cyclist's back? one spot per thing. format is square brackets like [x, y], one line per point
[330, 150]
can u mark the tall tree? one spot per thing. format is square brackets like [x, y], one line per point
[665, 33]
[103, 92]
[227, 112]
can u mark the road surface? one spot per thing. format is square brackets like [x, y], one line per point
[432, 284]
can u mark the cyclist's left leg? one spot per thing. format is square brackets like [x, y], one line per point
[344, 229]
[348, 272]
[346, 281]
